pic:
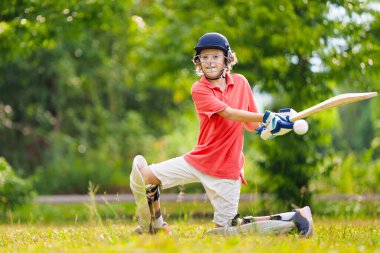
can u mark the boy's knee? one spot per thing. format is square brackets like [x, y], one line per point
[148, 176]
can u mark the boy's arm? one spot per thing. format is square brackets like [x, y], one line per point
[251, 120]
[252, 126]
[242, 116]
[274, 123]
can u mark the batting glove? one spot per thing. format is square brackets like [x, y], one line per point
[287, 113]
[275, 124]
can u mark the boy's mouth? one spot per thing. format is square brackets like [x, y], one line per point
[212, 69]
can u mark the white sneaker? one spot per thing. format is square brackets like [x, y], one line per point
[304, 222]
[164, 229]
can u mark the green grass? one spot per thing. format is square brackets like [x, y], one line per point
[74, 214]
[330, 236]
[340, 226]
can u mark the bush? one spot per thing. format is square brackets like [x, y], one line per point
[103, 158]
[14, 191]
[356, 173]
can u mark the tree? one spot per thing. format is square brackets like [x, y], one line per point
[87, 85]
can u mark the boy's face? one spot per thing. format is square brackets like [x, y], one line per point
[212, 61]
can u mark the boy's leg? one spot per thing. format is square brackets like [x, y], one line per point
[163, 175]
[147, 198]
[138, 188]
[158, 223]
[224, 195]
[301, 219]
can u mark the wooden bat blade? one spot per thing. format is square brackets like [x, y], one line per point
[336, 101]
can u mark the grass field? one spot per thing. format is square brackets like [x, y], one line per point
[357, 235]
[340, 226]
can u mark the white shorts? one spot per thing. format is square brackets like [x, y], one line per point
[224, 194]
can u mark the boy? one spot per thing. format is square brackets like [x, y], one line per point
[225, 106]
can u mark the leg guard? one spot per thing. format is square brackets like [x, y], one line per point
[269, 227]
[152, 193]
[137, 185]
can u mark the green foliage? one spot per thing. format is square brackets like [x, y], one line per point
[356, 173]
[86, 85]
[289, 162]
[289, 174]
[14, 191]
[72, 163]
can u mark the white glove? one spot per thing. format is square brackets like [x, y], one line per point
[275, 124]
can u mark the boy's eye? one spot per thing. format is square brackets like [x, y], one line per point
[213, 57]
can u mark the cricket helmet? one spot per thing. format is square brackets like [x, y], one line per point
[213, 41]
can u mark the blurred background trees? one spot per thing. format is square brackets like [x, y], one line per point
[85, 86]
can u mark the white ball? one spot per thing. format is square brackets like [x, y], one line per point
[300, 127]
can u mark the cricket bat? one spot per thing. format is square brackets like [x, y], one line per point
[336, 101]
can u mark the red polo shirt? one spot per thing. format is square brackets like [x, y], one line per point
[220, 141]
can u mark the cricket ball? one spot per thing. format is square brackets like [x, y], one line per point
[300, 127]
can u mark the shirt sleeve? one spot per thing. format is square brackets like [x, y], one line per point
[205, 101]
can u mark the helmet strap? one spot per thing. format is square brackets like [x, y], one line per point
[221, 74]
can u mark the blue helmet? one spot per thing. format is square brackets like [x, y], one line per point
[213, 41]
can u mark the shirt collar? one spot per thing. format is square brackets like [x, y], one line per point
[206, 82]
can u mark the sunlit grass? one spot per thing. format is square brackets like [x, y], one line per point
[330, 236]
